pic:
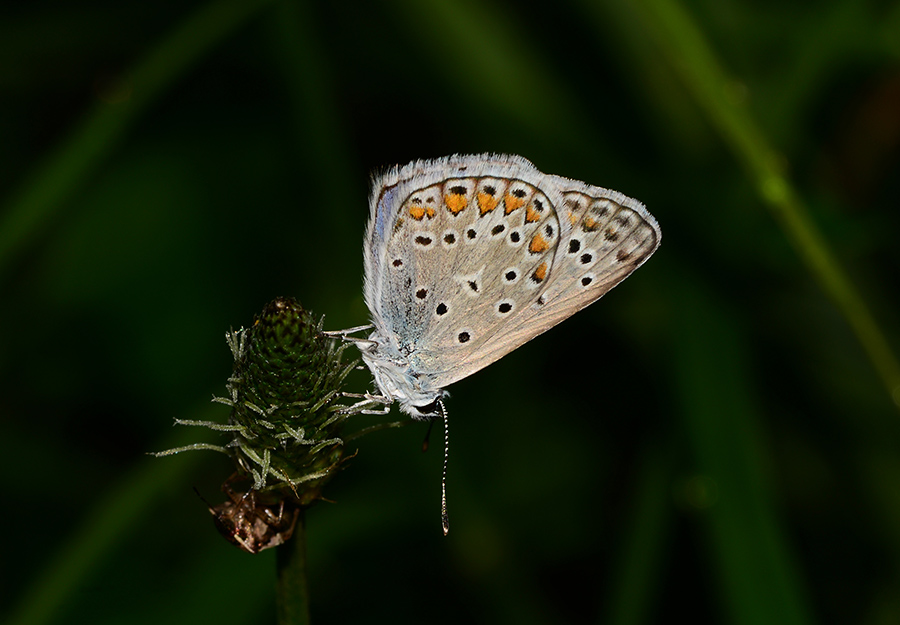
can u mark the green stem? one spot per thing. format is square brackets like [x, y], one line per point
[644, 544]
[695, 62]
[292, 589]
[687, 54]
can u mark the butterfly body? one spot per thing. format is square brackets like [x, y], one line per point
[468, 257]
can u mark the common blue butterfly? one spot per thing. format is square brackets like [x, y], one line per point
[467, 257]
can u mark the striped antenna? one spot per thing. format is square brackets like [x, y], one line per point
[445, 520]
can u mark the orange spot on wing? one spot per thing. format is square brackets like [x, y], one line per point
[540, 273]
[513, 203]
[573, 218]
[531, 215]
[455, 202]
[429, 212]
[590, 224]
[417, 212]
[486, 203]
[538, 244]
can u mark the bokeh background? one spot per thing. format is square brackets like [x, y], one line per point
[716, 440]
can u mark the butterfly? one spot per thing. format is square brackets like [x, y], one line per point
[467, 257]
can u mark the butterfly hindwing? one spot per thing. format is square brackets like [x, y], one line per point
[610, 235]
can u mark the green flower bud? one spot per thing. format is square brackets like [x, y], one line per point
[285, 423]
[284, 396]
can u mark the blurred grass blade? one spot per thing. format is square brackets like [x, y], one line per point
[322, 146]
[756, 571]
[890, 29]
[309, 79]
[39, 199]
[481, 47]
[638, 567]
[684, 47]
[102, 528]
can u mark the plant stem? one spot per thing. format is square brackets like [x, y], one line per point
[684, 44]
[292, 590]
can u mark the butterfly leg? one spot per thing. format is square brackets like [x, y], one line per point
[367, 400]
[344, 333]
[344, 336]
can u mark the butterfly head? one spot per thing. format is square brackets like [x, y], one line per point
[395, 379]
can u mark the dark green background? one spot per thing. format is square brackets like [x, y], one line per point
[709, 442]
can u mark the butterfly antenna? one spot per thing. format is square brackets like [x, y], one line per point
[445, 520]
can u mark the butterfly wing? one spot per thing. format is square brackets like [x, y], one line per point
[469, 257]
[605, 237]
[609, 236]
[441, 225]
